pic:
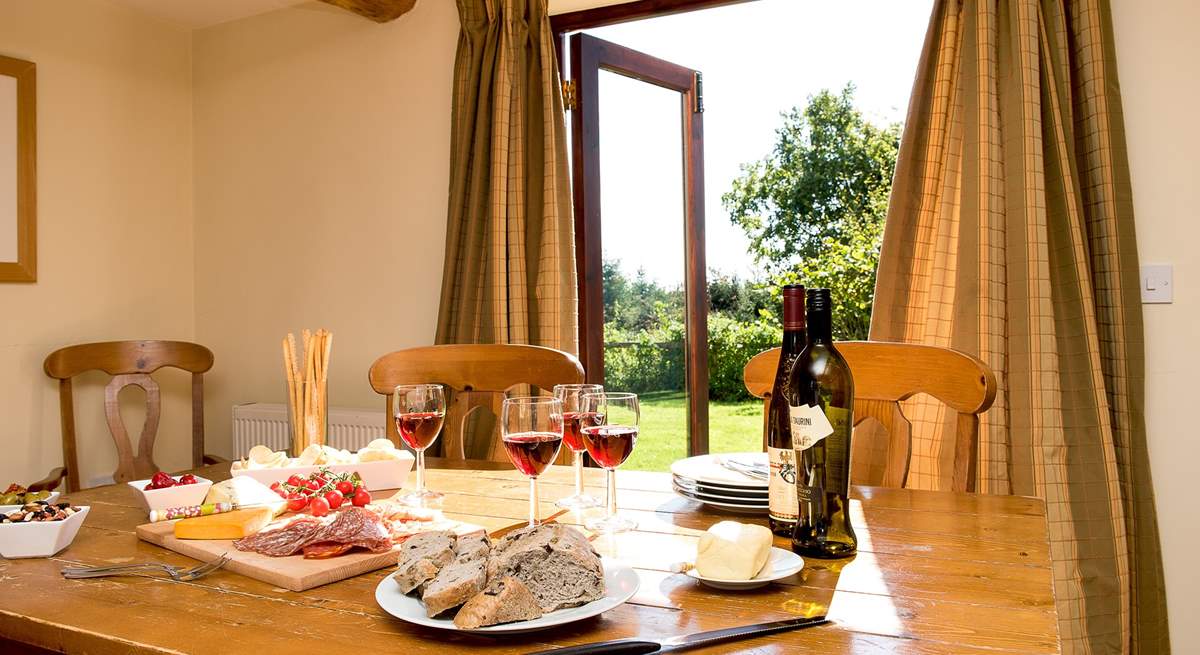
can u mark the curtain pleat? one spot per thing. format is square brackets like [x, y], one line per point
[1010, 236]
[509, 273]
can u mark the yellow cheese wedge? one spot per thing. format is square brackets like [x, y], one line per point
[230, 525]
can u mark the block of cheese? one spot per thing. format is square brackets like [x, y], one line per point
[245, 491]
[230, 525]
[733, 551]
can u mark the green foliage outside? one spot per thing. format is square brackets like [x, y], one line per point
[813, 210]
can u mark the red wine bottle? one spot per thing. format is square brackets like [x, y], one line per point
[822, 415]
[781, 485]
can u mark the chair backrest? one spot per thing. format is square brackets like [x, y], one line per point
[884, 375]
[477, 375]
[130, 363]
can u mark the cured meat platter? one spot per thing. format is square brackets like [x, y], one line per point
[293, 573]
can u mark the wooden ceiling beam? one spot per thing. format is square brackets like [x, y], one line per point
[380, 11]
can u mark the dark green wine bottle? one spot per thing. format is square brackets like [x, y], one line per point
[821, 391]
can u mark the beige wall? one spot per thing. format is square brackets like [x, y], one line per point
[1158, 54]
[322, 158]
[114, 220]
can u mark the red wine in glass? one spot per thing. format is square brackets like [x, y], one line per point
[532, 452]
[419, 429]
[573, 422]
[610, 445]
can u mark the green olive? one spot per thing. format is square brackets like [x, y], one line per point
[36, 495]
[10, 499]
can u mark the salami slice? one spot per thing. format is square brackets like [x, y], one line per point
[282, 541]
[325, 550]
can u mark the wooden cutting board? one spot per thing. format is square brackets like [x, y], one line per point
[294, 573]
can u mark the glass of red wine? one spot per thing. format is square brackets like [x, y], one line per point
[609, 434]
[419, 411]
[532, 430]
[571, 396]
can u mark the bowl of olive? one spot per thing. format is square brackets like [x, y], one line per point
[15, 497]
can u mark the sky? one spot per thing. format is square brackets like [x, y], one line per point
[758, 59]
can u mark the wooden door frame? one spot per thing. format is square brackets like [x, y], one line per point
[588, 56]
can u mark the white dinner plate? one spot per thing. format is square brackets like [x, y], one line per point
[620, 584]
[707, 469]
[701, 494]
[749, 495]
[723, 504]
[5, 509]
[780, 564]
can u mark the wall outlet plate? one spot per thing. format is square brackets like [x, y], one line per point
[1158, 284]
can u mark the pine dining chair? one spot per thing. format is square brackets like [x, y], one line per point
[130, 363]
[477, 376]
[884, 375]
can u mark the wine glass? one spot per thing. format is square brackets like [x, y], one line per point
[610, 438]
[419, 410]
[571, 396]
[532, 430]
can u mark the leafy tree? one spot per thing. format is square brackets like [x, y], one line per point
[814, 208]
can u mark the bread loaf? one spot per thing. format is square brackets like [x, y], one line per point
[556, 562]
[421, 557]
[504, 601]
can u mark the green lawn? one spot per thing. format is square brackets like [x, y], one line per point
[733, 427]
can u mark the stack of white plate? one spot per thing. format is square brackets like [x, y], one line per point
[730, 481]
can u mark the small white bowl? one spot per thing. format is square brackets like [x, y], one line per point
[5, 509]
[181, 495]
[39, 538]
[780, 564]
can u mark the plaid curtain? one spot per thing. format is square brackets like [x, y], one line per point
[509, 274]
[1010, 235]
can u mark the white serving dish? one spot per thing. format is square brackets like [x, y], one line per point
[780, 564]
[620, 584]
[5, 509]
[376, 475]
[181, 495]
[39, 539]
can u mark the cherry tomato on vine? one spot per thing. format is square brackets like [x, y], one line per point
[361, 498]
[346, 488]
[296, 502]
[318, 506]
[334, 499]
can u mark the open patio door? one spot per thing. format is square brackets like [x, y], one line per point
[665, 100]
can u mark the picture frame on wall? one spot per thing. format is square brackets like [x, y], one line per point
[18, 170]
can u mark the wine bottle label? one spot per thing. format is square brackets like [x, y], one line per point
[809, 426]
[781, 486]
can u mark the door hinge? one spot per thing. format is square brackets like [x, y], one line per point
[569, 95]
[699, 92]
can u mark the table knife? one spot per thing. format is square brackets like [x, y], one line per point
[694, 640]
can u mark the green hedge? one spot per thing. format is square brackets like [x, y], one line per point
[653, 360]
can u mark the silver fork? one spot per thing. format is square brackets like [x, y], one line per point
[177, 573]
[745, 469]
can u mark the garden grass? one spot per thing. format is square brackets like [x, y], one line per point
[662, 439]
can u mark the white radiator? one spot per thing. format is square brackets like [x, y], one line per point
[267, 424]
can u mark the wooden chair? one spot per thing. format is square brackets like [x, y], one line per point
[130, 363]
[477, 376]
[884, 375]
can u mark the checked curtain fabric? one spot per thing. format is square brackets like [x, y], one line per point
[1010, 235]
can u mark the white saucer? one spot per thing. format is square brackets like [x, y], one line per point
[780, 564]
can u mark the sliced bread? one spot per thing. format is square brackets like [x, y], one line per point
[455, 584]
[472, 545]
[556, 562]
[504, 601]
[421, 557]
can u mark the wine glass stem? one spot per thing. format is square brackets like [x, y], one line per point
[612, 492]
[533, 501]
[578, 473]
[421, 471]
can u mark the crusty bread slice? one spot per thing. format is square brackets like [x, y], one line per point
[555, 561]
[455, 584]
[472, 545]
[504, 601]
[421, 557]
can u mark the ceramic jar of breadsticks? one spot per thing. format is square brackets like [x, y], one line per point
[306, 367]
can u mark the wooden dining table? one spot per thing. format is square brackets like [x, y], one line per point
[936, 572]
